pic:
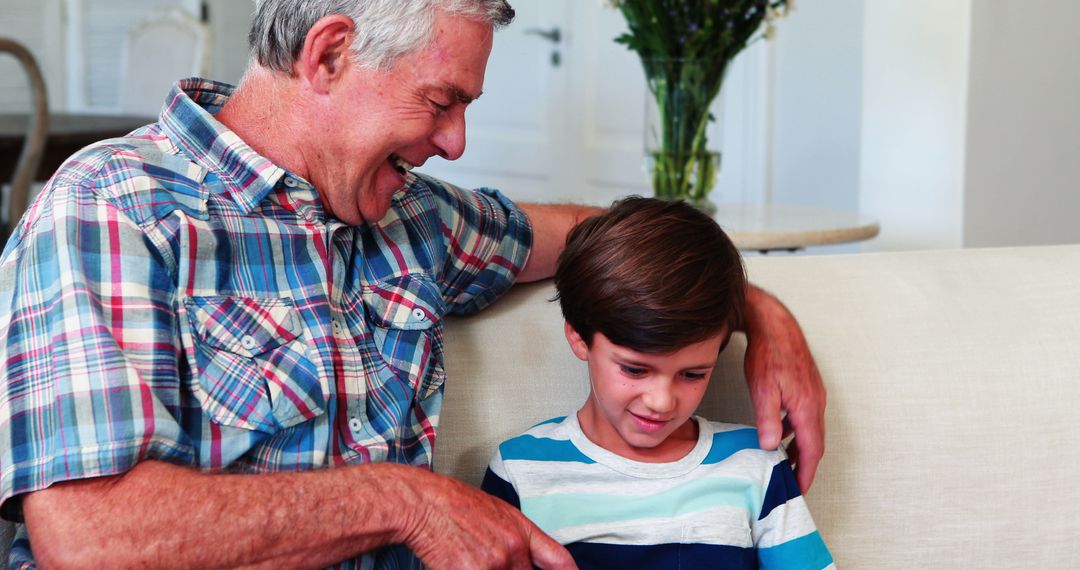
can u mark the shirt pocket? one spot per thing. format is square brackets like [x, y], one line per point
[253, 369]
[406, 314]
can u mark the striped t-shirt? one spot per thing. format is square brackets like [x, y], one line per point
[726, 504]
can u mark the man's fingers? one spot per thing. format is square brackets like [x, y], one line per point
[789, 430]
[810, 443]
[805, 472]
[548, 554]
[767, 410]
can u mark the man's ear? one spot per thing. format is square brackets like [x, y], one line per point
[326, 52]
[577, 344]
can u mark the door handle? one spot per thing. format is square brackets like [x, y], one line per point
[554, 35]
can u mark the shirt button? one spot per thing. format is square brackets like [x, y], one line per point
[355, 424]
[290, 182]
[248, 342]
[419, 314]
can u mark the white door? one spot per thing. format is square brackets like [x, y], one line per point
[512, 129]
[562, 115]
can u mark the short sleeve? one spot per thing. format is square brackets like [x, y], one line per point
[87, 348]
[497, 482]
[784, 532]
[488, 239]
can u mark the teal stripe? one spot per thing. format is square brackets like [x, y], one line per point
[727, 443]
[804, 552]
[532, 448]
[557, 511]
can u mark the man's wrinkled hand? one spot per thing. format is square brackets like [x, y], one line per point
[782, 375]
[462, 527]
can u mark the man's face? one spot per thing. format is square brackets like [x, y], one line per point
[640, 404]
[387, 121]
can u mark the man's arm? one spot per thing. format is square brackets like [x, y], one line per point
[550, 224]
[164, 516]
[782, 375]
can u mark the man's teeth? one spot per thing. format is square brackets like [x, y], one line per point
[401, 164]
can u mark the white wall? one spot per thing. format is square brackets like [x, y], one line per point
[36, 25]
[817, 104]
[1023, 172]
[914, 98]
[56, 32]
[229, 24]
[954, 122]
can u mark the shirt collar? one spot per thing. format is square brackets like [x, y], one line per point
[188, 120]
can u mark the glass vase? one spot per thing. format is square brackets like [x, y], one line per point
[681, 163]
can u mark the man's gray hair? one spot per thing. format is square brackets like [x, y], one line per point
[385, 29]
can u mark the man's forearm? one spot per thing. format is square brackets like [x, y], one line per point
[163, 516]
[551, 223]
[760, 310]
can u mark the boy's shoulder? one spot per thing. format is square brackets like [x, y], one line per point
[549, 440]
[737, 440]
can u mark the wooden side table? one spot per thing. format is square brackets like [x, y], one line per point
[772, 227]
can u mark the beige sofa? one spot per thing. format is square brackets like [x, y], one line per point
[953, 378]
[953, 383]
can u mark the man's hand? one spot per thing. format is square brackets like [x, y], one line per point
[463, 527]
[781, 374]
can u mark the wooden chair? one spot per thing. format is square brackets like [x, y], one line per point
[34, 142]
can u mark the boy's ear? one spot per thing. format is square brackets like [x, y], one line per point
[326, 52]
[577, 344]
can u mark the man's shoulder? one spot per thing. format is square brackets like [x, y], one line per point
[427, 194]
[145, 176]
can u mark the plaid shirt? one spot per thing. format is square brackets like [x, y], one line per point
[173, 295]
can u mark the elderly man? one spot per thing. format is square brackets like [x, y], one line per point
[202, 317]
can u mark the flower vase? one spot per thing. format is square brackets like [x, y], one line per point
[680, 161]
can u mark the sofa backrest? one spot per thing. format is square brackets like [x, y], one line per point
[953, 381]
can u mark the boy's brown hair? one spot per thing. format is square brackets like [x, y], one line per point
[651, 275]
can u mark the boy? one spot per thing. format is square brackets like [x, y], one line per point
[651, 291]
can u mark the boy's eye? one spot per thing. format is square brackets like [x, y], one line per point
[632, 370]
[695, 375]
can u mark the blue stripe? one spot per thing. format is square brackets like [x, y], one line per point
[590, 555]
[541, 449]
[804, 552]
[782, 488]
[727, 443]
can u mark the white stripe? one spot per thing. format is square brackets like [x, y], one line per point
[785, 522]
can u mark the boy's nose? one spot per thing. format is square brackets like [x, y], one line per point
[660, 397]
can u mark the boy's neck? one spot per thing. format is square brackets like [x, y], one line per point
[676, 446]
